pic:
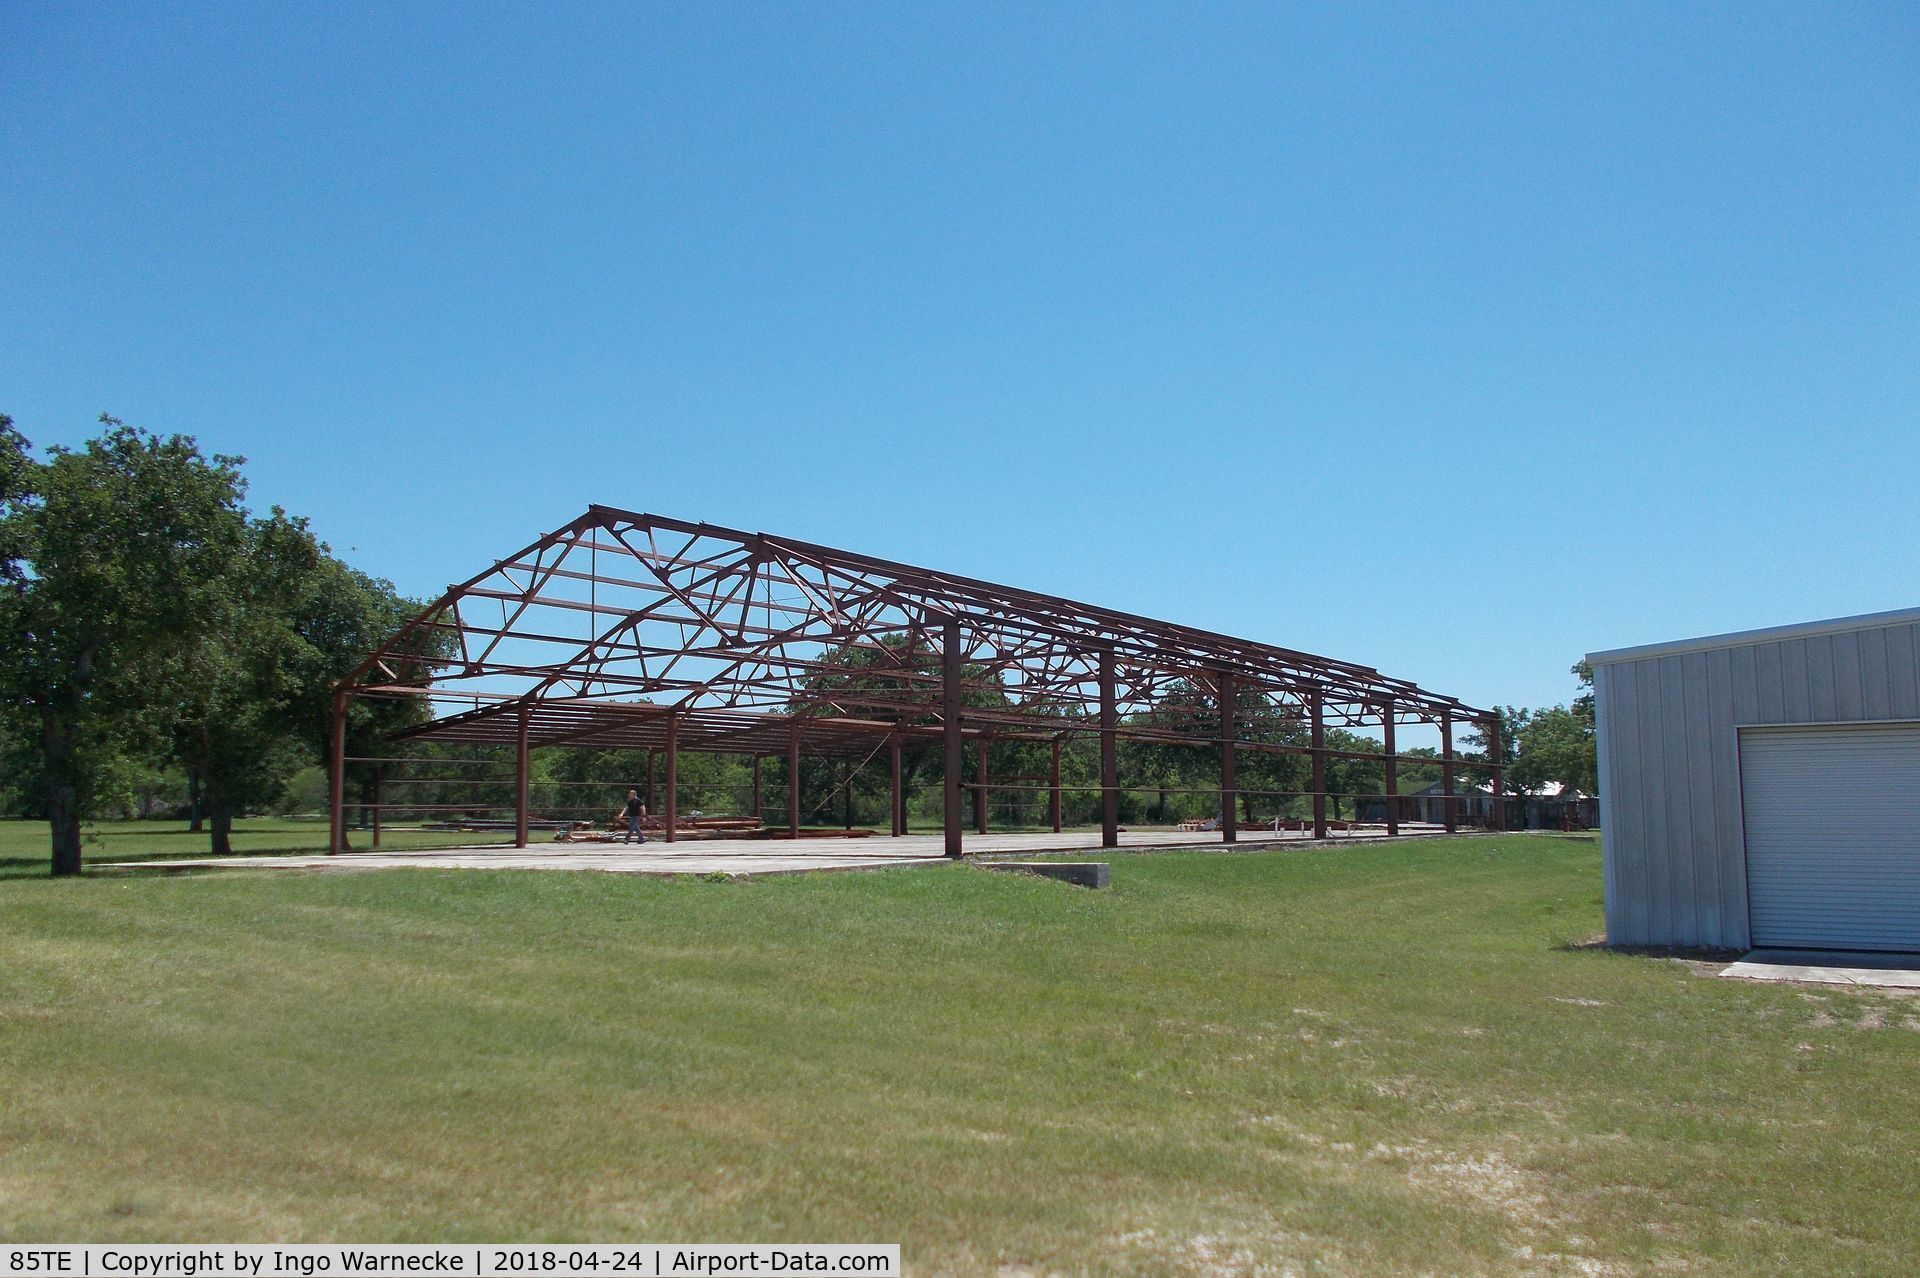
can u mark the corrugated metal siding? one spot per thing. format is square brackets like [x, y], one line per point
[1670, 765]
[1833, 847]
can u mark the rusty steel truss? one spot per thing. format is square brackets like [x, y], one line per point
[634, 631]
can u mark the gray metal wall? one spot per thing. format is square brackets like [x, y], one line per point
[1669, 762]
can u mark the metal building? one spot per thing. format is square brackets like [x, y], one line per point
[633, 631]
[1763, 788]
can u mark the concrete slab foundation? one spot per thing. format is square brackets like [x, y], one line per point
[1088, 874]
[1830, 967]
[750, 856]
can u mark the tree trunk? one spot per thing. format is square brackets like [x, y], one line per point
[64, 817]
[196, 807]
[220, 819]
[63, 793]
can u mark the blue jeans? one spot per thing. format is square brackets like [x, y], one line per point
[633, 830]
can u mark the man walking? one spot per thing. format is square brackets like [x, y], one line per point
[633, 812]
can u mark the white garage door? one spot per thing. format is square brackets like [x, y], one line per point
[1833, 836]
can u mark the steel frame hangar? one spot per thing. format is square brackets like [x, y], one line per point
[635, 631]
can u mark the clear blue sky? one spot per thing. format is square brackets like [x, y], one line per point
[1456, 343]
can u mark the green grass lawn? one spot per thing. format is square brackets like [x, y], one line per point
[24, 847]
[1396, 1059]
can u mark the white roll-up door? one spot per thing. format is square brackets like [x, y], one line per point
[1833, 836]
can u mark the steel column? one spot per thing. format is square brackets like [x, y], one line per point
[980, 786]
[1393, 771]
[1109, 762]
[756, 788]
[671, 816]
[1053, 788]
[793, 778]
[1319, 768]
[337, 776]
[520, 759]
[897, 799]
[950, 695]
[846, 794]
[379, 799]
[1499, 793]
[1446, 770]
[1229, 790]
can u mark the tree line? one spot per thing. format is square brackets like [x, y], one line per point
[1548, 745]
[1165, 781]
[1162, 782]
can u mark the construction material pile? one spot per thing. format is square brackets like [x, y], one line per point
[701, 827]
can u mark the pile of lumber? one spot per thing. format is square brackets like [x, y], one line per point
[1293, 823]
[615, 830]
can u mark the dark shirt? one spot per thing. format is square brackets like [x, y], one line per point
[633, 808]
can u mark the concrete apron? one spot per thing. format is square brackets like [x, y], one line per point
[1830, 967]
[761, 856]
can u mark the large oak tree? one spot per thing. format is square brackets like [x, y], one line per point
[111, 556]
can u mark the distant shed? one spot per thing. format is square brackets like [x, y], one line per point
[1763, 788]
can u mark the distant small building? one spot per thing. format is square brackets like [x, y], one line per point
[1550, 807]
